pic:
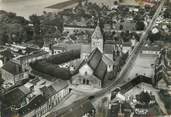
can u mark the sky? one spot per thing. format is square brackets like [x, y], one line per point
[27, 7]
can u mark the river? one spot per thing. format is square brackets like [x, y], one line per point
[26, 8]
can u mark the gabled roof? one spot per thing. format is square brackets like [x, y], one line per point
[101, 70]
[94, 58]
[96, 63]
[34, 104]
[107, 60]
[59, 85]
[48, 91]
[97, 34]
[108, 49]
[15, 96]
[34, 54]
[67, 47]
[12, 68]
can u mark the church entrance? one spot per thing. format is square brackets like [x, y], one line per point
[86, 82]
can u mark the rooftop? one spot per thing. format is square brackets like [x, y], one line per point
[33, 55]
[97, 34]
[7, 53]
[108, 48]
[77, 109]
[15, 96]
[12, 68]
[96, 62]
[54, 88]
[151, 48]
[35, 103]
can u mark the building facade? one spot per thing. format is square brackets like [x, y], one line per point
[92, 71]
[13, 74]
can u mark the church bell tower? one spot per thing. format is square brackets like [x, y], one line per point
[97, 40]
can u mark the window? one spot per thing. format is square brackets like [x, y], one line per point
[86, 73]
[87, 82]
[84, 81]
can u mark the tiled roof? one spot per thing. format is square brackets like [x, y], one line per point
[101, 70]
[107, 60]
[94, 58]
[97, 34]
[15, 96]
[35, 81]
[68, 47]
[48, 91]
[12, 68]
[97, 64]
[59, 85]
[108, 48]
[34, 104]
[33, 55]
[53, 89]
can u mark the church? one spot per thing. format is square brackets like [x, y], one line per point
[108, 50]
[98, 62]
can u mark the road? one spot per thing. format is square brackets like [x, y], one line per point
[160, 103]
[67, 28]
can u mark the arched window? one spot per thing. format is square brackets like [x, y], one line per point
[87, 82]
[84, 81]
[86, 73]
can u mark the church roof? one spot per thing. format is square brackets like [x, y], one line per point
[97, 64]
[94, 58]
[108, 49]
[107, 60]
[97, 34]
[12, 68]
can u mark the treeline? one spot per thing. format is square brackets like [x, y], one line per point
[13, 28]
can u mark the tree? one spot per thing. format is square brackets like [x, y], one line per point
[13, 27]
[121, 27]
[167, 13]
[34, 19]
[140, 25]
[152, 37]
[145, 98]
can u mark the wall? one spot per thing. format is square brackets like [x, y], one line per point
[85, 70]
[7, 77]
